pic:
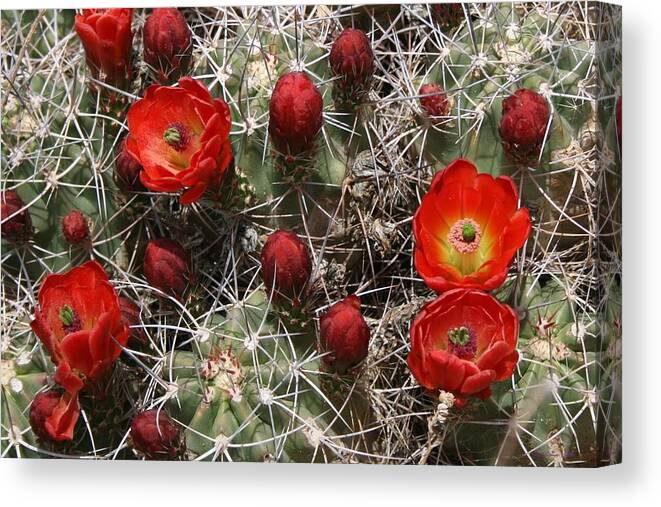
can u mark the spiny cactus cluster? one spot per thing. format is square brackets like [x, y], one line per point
[378, 234]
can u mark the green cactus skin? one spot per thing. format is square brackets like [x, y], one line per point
[255, 392]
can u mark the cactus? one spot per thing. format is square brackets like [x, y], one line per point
[242, 368]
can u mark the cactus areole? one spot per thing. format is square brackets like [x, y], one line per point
[78, 320]
[468, 228]
[462, 342]
[180, 137]
[295, 114]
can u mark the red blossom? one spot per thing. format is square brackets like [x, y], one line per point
[462, 342]
[180, 136]
[468, 229]
[78, 320]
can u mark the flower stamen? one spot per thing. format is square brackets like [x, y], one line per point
[465, 236]
[462, 342]
[70, 320]
[177, 136]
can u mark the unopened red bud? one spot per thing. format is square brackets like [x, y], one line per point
[108, 42]
[166, 266]
[523, 125]
[75, 227]
[41, 409]
[16, 223]
[131, 317]
[295, 113]
[156, 435]
[286, 264]
[167, 42]
[344, 334]
[434, 100]
[352, 60]
[127, 169]
[448, 14]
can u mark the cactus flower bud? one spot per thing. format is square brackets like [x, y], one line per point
[434, 100]
[352, 60]
[344, 334]
[108, 42]
[448, 15]
[131, 317]
[16, 225]
[53, 416]
[295, 114]
[166, 266]
[167, 41]
[41, 408]
[156, 435]
[286, 264]
[75, 227]
[523, 125]
[127, 169]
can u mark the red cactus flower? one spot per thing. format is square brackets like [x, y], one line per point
[127, 169]
[462, 342]
[53, 416]
[523, 125]
[468, 228]
[434, 100]
[75, 228]
[131, 317]
[167, 41]
[344, 334]
[286, 264]
[16, 222]
[79, 322]
[156, 435]
[166, 266]
[108, 41]
[295, 114]
[352, 60]
[180, 136]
